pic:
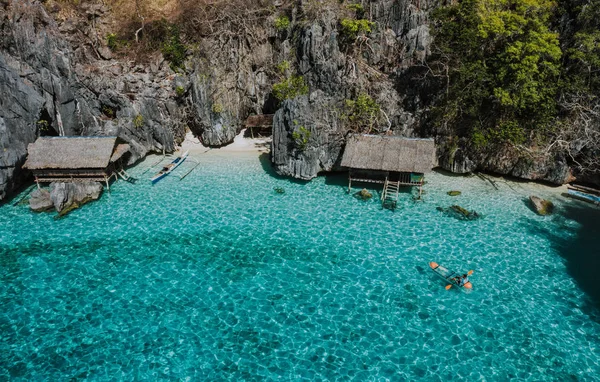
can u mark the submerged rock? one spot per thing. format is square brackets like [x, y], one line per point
[279, 190]
[69, 196]
[460, 213]
[541, 206]
[40, 201]
[363, 194]
[453, 193]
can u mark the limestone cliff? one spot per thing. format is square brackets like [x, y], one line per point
[100, 68]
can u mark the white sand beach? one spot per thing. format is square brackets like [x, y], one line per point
[240, 144]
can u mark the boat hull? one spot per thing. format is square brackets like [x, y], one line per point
[171, 166]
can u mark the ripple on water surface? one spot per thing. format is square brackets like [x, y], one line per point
[220, 277]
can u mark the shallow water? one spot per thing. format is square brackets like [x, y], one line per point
[220, 277]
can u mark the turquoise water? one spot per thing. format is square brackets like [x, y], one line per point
[218, 277]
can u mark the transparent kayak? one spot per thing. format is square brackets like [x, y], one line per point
[449, 275]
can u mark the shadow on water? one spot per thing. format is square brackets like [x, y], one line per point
[265, 162]
[581, 250]
[19, 195]
[337, 179]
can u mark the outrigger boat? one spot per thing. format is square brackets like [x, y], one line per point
[450, 276]
[166, 170]
[582, 193]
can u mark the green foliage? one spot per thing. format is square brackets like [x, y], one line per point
[217, 108]
[282, 23]
[108, 111]
[173, 49]
[502, 63]
[301, 137]
[44, 126]
[361, 113]
[583, 70]
[283, 67]
[180, 91]
[138, 121]
[112, 42]
[351, 28]
[290, 87]
[358, 8]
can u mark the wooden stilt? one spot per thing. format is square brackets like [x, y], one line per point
[349, 182]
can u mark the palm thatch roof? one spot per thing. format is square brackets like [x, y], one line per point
[73, 152]
[389, 153]
[262, 120]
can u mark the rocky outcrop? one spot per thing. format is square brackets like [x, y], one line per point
[64, 197]
[457, 156]
[541, 206]
[69, 196]
[48, 88]
[306, 138]
[40, 201]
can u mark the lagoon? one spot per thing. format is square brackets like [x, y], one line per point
[219, 277]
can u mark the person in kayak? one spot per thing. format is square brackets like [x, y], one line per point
[461, 280]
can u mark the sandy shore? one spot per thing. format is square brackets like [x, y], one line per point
[240, 144]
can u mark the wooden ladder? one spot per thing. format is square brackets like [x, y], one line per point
[126, 177]
[389, 196]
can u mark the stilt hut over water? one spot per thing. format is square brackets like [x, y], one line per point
[75, 159]
[388, 160]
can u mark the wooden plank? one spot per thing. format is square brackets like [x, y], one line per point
[186, 174]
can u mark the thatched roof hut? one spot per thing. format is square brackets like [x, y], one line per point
[259, 125]
[73, 152]
[389, 153]
[65, 159]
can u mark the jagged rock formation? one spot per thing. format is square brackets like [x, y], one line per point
[64, 197]
[323, 144]
[69, 196]
[50, 89]
[458, 157]
[59, 77]
[40, 200]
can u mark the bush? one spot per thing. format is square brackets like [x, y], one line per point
[112, 42]
[283, 67]
[173, 49]
[351, 28]
[362, 112]
[138, 121]
[108, 111]
[282, 23]
[301, 137]
[180, 91]
[290, 87]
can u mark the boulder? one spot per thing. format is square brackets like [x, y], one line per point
[541, 206]
[69, 196]
[363, 194]
[40, 201]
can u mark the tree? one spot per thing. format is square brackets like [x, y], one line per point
[501, 62]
